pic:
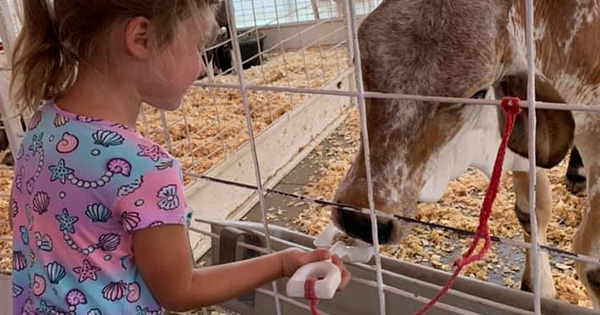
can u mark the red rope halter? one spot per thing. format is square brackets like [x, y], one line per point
[512, 109]
[309, 294]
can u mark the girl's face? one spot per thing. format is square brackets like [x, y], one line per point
[175, 68]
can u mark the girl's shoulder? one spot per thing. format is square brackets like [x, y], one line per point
[69, 132]
[91, 148]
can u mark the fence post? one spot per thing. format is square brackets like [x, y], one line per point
[8, 31]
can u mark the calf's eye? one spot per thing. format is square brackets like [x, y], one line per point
[480, 94]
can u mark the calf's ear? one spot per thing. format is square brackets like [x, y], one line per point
[554, 128]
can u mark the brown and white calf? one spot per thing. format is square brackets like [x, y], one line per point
[466, 48]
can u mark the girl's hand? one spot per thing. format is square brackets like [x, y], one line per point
[164, 258]
[294, 258]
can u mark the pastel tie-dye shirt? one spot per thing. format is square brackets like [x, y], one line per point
[81, 187]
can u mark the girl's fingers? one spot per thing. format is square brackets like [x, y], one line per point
[345, 273]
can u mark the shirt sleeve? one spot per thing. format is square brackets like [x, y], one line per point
[157, 197]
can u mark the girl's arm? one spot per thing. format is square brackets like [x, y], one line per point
[164, 259]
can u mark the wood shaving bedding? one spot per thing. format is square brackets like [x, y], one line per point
[344, 238]
[211, 124]
[6, 175]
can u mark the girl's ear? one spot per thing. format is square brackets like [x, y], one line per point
[139, 37]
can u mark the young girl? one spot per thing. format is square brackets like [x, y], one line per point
[98, 211]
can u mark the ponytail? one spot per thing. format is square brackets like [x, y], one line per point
[59, 35]
[41, 68]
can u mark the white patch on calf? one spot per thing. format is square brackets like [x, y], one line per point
[473, 145]
[476, 144]
[573, 89]
[547, 288]
[540, 30]
[394, 196]
[594, 189]
[517, 33]
[585, 13]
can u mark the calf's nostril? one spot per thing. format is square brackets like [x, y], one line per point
[357, 225]
[384, 231]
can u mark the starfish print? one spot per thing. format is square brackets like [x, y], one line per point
[45, 308]
[154, 152]
[66, 221]
[60, 171]
[87, 271]
[143, 311]
[36, 143]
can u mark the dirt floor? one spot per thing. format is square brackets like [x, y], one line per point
[318, 175]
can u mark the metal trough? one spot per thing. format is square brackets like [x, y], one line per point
[408, 285]
[5, 294]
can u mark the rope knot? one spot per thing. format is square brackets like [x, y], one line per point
[511, 105]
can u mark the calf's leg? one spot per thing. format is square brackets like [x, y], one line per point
[587, 237]
[543, 212]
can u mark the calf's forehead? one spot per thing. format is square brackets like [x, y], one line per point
[436, 48]
[433, 47]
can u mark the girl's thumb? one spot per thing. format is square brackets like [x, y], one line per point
[317, 255]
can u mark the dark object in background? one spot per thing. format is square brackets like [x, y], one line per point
[3, 138]
[8, 159]
[221, 55]
[575, 180]
[250, 46]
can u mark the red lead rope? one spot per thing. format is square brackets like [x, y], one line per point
[309, 294]
[512, 109]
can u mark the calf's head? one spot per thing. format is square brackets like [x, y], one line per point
[421, 48]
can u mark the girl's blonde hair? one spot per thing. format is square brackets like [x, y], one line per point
[55, 41]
